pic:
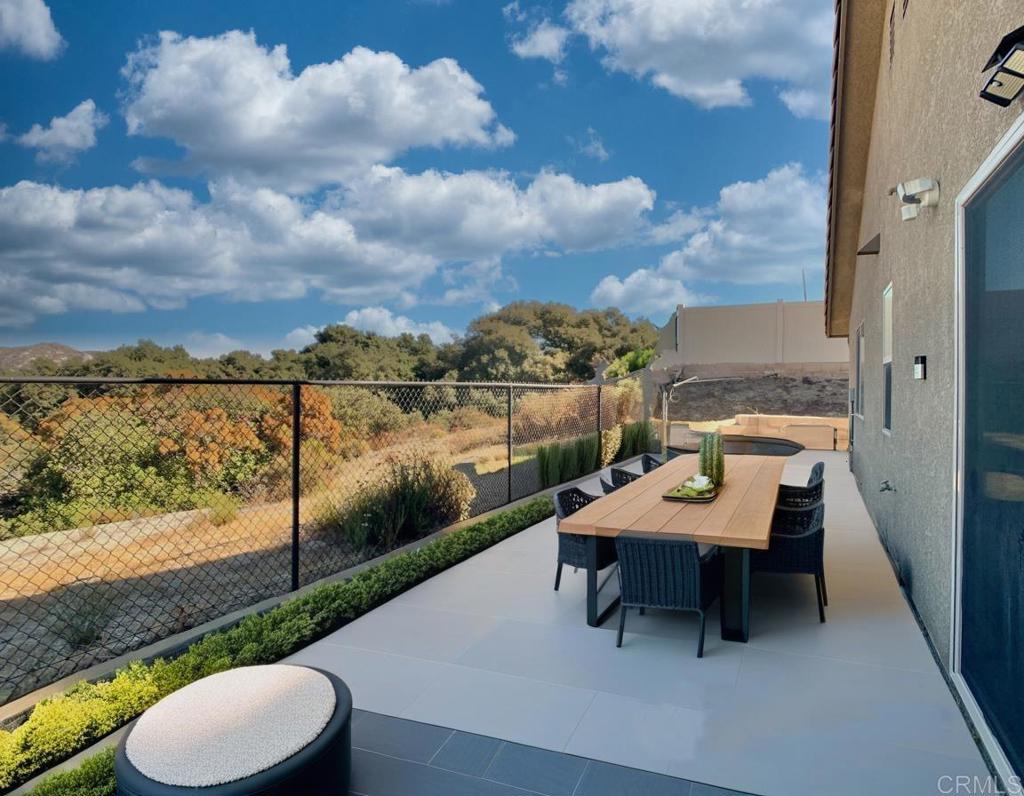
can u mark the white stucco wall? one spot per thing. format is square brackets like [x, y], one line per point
[782, 333]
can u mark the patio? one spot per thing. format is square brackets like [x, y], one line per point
[853, 706]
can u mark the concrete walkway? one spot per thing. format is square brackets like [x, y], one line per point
[855, 706]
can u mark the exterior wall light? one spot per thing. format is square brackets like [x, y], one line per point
[1007, 81]
[915, 194]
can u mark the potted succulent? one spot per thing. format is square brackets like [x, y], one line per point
[710, 476]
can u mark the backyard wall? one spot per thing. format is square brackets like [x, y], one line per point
[779, 336]
[933, 127]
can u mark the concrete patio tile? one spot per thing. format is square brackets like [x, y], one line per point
[636, 734]
[379, 681]
[882, 633]
[537, 770]
[410, 630]
[408, 740]
[605, 779]
[467, 753]
[511, 708]
[853, 704]
[377, 775]
[483, 592]
[818, 765]
[656, 669]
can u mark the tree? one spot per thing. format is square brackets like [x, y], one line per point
[523, 341]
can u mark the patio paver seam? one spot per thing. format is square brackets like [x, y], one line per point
[449, 771]
[442, 746]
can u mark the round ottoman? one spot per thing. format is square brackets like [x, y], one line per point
[265, 730]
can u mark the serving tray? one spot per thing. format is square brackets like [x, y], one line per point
[707, 497]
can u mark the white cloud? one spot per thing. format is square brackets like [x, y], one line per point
[592, 146]
[377, 319]
[543, 40]
[121, 248]
[66, 136]
[475, 283]
[676, 227]
[301, 336]
[513, 12]
[760, 232]
[211, 344]
[477, 215]
[238, 110]
[706, 50]
[26, 26]
[377, 240]
[643, 291]
[382, 321]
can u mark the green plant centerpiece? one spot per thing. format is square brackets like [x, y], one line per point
[704, 486]
[711, 459]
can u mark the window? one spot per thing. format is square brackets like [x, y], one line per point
[887, 358]
[858, 372]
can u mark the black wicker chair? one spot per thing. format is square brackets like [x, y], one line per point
[797, 546]
[800, 497]
[667, 573]
[620, 478]
[572, 547]
[648, 463]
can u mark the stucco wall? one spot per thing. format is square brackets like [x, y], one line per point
[784, 333]
[928, 122]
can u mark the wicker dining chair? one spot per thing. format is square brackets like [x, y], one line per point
[572, 547]
[649, 462]
[667, 573]
[620, 478]
[800, 497]
[796, 546]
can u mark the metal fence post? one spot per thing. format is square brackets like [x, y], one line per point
[600, 426]
[509, 443]
[296, 464]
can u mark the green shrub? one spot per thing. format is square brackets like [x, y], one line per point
[637, 438]
[416, 495]
[63, 725]
[637, 359]
[559, 462]
[222, 508]
[368, 413]
[95, 777]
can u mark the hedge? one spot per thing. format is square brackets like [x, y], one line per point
[64, 724]
[95, 777]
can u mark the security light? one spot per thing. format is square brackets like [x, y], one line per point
[1007, 82]
[915, 194]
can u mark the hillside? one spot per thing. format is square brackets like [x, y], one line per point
[19, 357]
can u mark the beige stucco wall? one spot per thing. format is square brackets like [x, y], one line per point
[778, 333]
[928, 122]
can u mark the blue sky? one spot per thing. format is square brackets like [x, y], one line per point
[240, 173]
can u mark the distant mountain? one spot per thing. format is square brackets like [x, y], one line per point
[20, 357]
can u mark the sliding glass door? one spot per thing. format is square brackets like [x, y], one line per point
[992, 563]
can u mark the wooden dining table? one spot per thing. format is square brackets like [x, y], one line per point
[738, 520]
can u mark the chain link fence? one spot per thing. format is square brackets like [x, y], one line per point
[131, 510]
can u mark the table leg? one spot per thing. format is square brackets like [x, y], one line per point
[736, 594]
[595, 618]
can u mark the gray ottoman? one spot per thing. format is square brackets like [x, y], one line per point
[264, 730]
